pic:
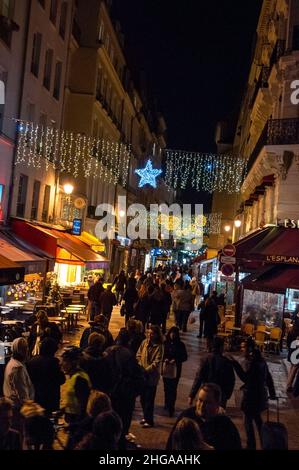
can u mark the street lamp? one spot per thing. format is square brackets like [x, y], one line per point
[68, 189]
[238, 223]
[122, 213]
[227, 228]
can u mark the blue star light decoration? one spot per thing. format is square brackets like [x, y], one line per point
[148, 175]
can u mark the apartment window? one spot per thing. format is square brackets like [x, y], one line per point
[58, 71]
[63, 19]
[2, 187]
[7, 8]
[53, 11]
[45, 213]
[95, 128]
[22, 194]
[112, 55]
[3, 82]
[6, 11]
[48, 68]
[36, 50]
[30, 112]
[107, 43]
[101, 31]
[99, 82]
[296, 38]
[43, 120]
[35, 199]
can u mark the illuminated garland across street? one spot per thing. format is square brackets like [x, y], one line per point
[83, 155]
[72, 153]
[204, 172]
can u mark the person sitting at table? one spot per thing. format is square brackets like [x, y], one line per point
[41, 329]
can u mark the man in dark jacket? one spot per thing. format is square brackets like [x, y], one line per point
[217, 369]
[99, 325]
[47, 376]
[94, 295]
[217, 429]
[107, 301]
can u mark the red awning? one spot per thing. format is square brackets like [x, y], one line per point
[10, 272]
[274, 279]
[64, 247]
[280, 245]
[244, 245]
[22, 257]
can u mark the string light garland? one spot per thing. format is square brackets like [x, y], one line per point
[109, 161]
[207, 172]
[76, 154]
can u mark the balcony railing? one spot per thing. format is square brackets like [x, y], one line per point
[283, 131]
[276, 132]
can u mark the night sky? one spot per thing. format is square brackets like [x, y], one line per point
[195, 55]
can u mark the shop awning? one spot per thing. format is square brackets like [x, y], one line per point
[280, 245]
[93, 242]
[274, 279]
[66, 248]
[10, 272]
[25, 258]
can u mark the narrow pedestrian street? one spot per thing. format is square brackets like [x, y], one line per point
[156, 437]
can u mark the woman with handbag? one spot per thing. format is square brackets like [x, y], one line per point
[175, 354]
[149, 356]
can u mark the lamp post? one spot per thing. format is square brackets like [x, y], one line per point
[68, 190]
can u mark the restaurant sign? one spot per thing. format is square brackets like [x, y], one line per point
[282, 259]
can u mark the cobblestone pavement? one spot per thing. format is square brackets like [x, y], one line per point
[156, 437]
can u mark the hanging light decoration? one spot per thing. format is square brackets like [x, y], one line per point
[74, 153]
[206, 172]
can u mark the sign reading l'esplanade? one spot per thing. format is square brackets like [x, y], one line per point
[282, 259]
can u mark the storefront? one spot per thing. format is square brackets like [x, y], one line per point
[160, 256]
[272, 288]
[209, 272]
[26, 282]
[74, 259]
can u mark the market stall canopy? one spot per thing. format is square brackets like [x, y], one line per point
[275, 279]
[11, 250]
[64, 247]
[10, 272]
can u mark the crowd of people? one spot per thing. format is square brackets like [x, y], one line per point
[104, 376]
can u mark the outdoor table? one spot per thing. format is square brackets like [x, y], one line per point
[11, 322]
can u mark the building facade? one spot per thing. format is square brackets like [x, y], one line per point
[268, 127]
[41, 102]
[13, 32]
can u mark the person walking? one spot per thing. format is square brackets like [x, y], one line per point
[175, 354]
[107, 302]
[94, 295]
[149, 356]
[120, 283]
[215, 368]
[257, 382]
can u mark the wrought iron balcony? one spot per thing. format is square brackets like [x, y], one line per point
[283, 131]
[276, 132]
